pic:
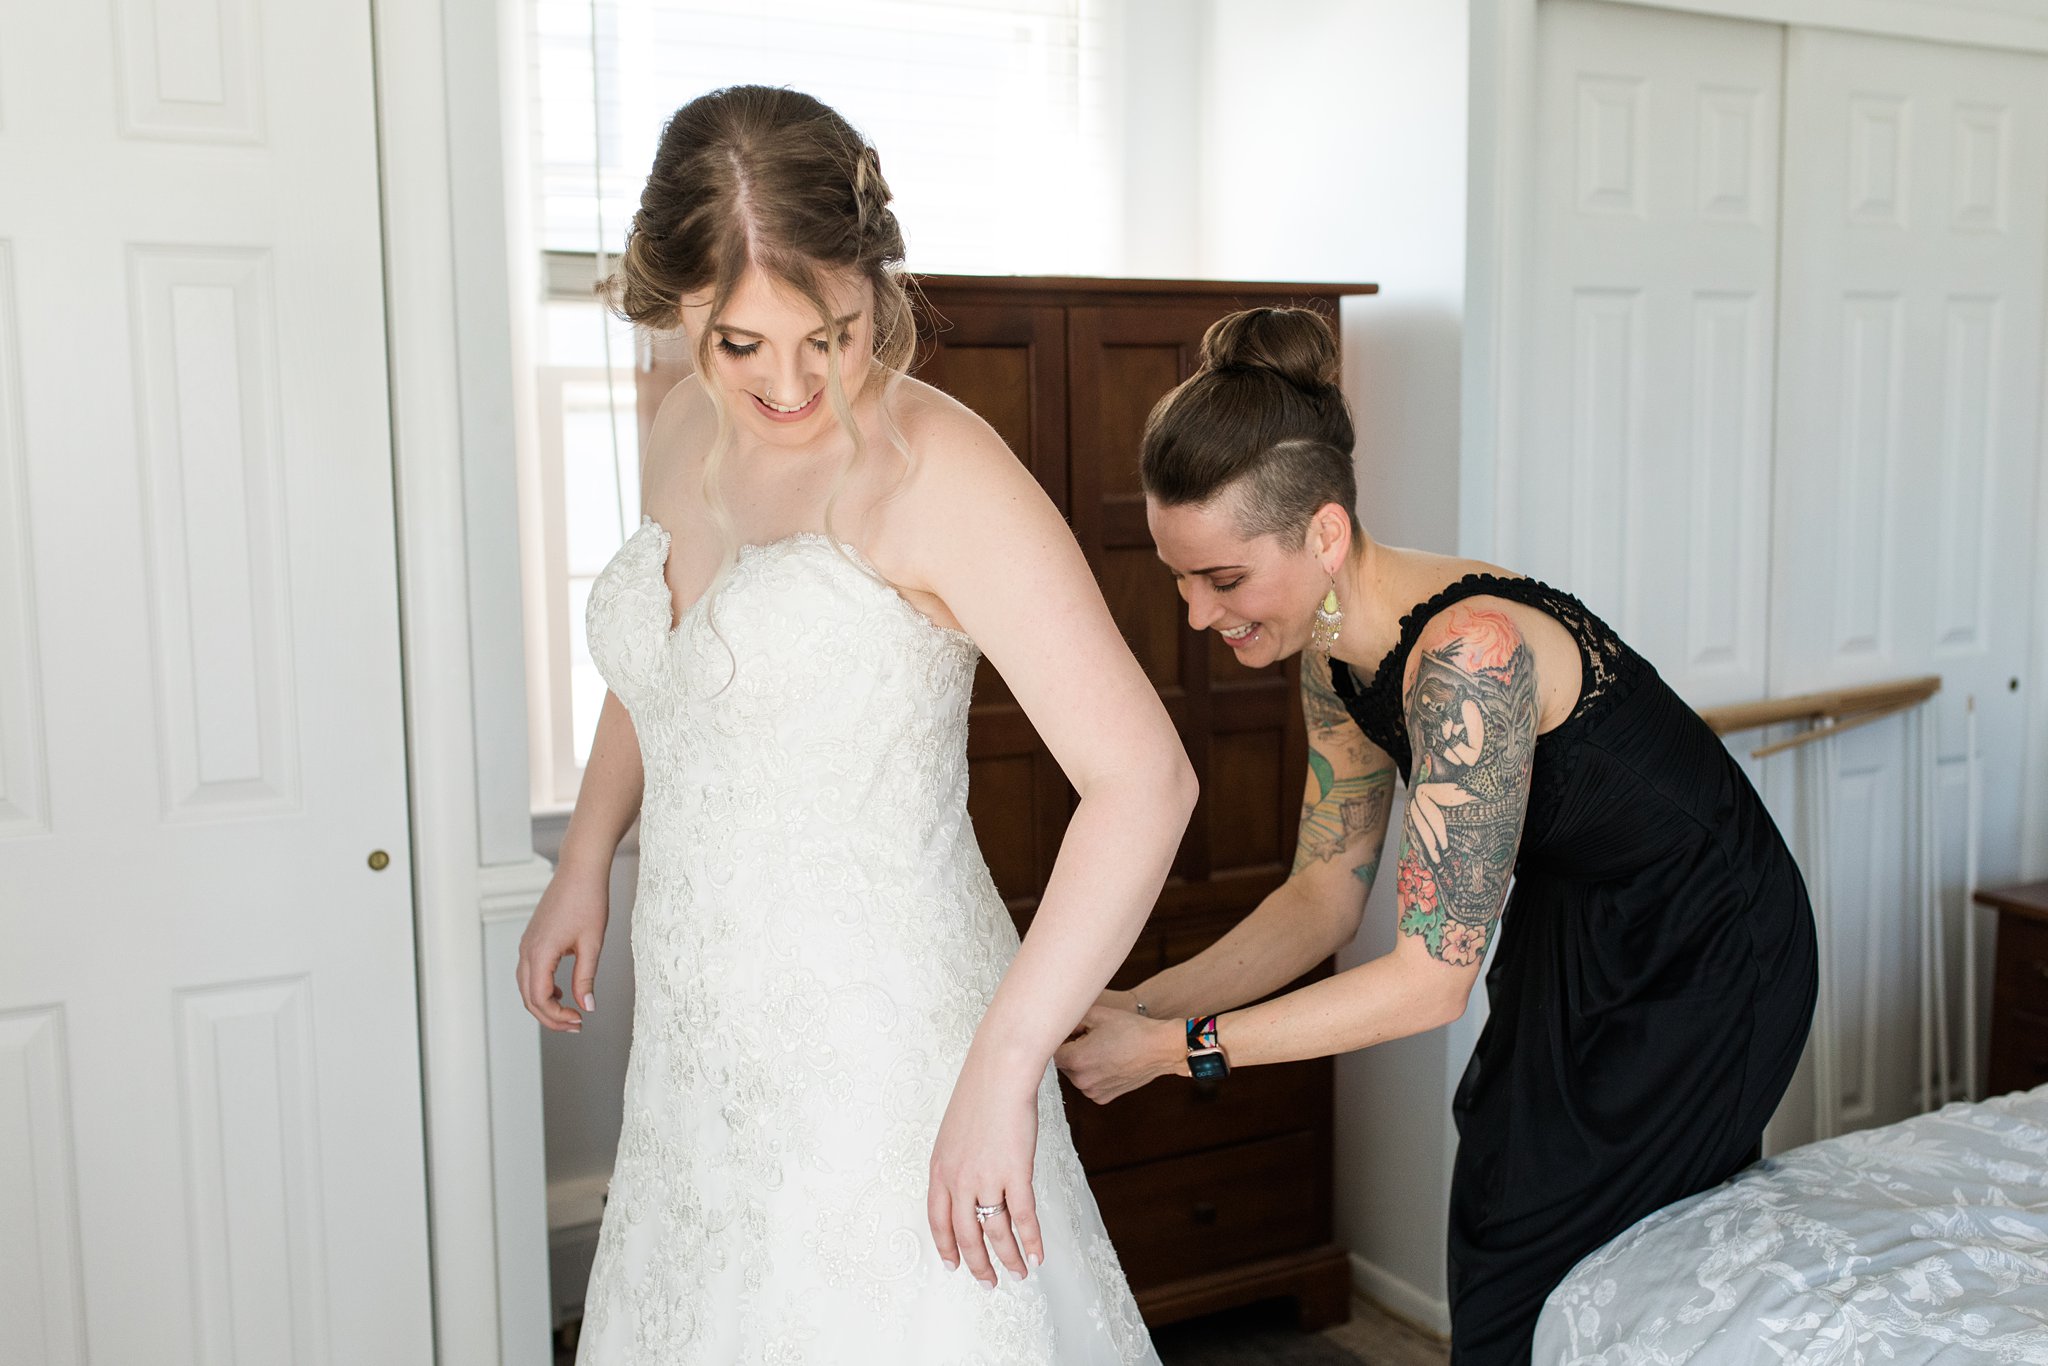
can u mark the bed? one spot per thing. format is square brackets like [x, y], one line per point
[1924, 1241]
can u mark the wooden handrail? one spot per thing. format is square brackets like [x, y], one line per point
[1821, 706]
[1823, 731]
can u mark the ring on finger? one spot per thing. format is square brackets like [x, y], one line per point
[984, 1213]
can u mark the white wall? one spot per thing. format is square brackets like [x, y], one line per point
[1333, 148]
[475, 881]
[1158, 48]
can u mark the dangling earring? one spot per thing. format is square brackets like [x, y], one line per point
[1329, 621]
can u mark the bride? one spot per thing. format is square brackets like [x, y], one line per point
[839, 1089]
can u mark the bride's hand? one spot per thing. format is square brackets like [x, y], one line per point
[983, 1156]
[1115, 1051]
[568, 922]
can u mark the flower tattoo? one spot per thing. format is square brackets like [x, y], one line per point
[1472, 719]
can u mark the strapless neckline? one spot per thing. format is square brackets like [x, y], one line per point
[794, 540]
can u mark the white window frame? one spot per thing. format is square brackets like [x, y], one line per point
[568, 277]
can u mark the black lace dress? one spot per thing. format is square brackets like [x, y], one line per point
[1650, 993]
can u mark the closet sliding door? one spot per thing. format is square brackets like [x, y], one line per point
[1914, 232]
[1644, 461]
[1778, 419]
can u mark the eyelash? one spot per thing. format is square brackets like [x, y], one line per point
[742, 352]
[1226, 587]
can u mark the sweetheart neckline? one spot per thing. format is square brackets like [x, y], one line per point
[677, 620]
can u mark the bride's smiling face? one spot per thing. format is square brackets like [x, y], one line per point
[771, 354]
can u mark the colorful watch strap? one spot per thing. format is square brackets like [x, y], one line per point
[1202, 1032]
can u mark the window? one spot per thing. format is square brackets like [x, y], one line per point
[991, 115]
[589, 496]
[995, 123]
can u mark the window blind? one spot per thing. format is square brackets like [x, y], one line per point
[993, 117]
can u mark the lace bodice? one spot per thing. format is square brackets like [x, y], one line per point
[806, 690]
[815, 940]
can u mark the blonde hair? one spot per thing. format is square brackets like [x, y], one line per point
[757, 176]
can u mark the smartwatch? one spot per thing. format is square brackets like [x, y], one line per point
[1206, 1059]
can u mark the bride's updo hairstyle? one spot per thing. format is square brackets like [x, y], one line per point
[760, 176]
[1262, 415]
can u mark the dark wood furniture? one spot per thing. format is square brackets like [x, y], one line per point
[1214, 1196]
[2019, 989]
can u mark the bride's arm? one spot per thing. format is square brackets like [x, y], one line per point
[608, 798]
[571, 916]
[992, 547]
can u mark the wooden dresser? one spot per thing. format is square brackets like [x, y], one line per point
[1214, 1196]
[2019, 990]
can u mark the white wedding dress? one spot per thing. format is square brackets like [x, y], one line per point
[815, 939]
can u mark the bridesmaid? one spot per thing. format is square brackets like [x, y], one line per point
[1655, 975]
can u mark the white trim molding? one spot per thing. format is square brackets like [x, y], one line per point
[1399, 1298]
[434, 613]
[2034, 786]
[486, 1193]
[518, 1143]
[2015, 25]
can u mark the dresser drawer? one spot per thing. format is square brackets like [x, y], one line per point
[1189, 1215]
[2021, 981]
[2019, 1052]
[1174, 1115]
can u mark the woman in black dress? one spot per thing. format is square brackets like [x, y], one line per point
[1656, 972]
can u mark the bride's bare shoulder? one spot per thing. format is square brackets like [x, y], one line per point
[964, 491]
[954, 452]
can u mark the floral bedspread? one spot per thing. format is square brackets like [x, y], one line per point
[1924, 1241]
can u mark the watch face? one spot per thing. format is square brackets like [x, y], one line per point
[1208, 1066]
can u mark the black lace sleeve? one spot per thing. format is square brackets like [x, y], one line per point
[1610, 666]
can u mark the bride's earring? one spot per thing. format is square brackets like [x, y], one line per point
[1329, 621]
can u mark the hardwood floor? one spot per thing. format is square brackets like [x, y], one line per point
[1265, 1335]
[1259, 1336]
[1380, 1339]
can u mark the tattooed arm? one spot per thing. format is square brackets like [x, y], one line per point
[1344, 811]
[1316, 911]
[1471, 706]
[1470, 698]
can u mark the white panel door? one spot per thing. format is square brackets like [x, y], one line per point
[1644, 466]
[210, 1127]
[1915, 229]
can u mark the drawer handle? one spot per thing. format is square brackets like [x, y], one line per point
[1205, 1213]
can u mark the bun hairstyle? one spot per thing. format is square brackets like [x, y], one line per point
[1264, 416]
